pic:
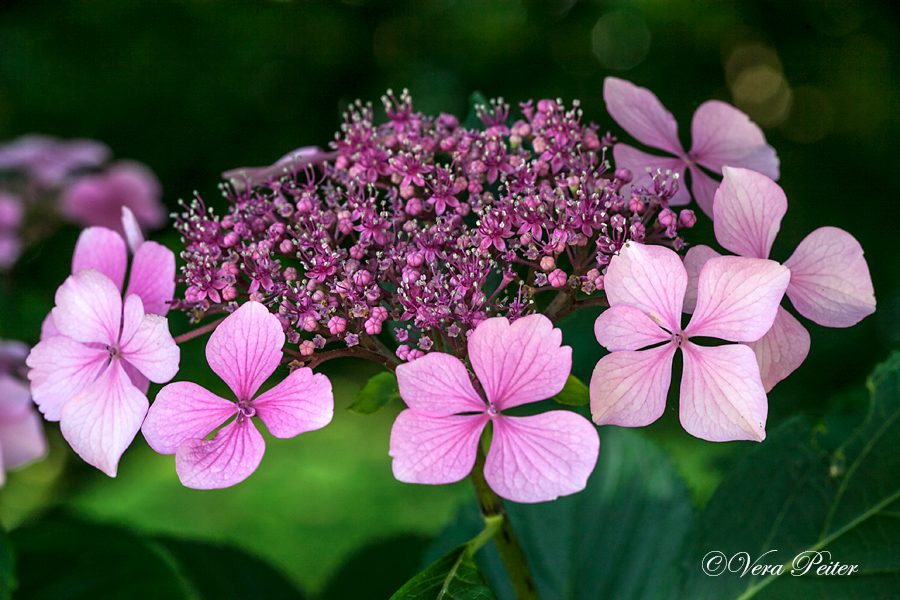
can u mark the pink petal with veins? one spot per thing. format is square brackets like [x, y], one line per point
[520, 362]
[638, 162]
[627, 328]
[104, 250]
[542, 457]
[629, 388]
[748, 211]
[88, 308]
[133, 234]
[639, 112]
[60, 369]
[830, 281]
[152, 350]
[153, 277]
[704, 189]
[101, 421]
[722, 398]
[781, 350]
[434, 450]
[138, 379]
[650, 278]
[245, 349]
[694, 260]
[227, 459]
[722, 135]
[438, 385]
[737, 298]
[302, 402]
[184, 411]
[22, 437]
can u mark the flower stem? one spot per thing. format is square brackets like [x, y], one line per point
[198, 332]
[505, 537]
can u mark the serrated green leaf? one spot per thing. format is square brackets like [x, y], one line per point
[574, 393]
[793, 495]
[380, 391]
[7, 568]
[454, 576]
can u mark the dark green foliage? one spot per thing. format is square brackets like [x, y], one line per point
[378, 393]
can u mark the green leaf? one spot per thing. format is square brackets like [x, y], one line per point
[574, 393]
[793, 494]
[454, 576]
[378, 569]
[7, 570]
[63, 558]
[619, 538]
[377, 393]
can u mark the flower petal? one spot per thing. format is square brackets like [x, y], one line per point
[152, 350]
[830, 281]
[60, 369]
[133, 234]
[302, 402]
[227, 459]
[182, 411]
[153, 277]
[48, 327]
[101, 421]
[748, 211]
[781, 350]
[722, 135]
[639, 112]
[434, 450]
[627, 328]
[650, 278]
[694, 260]
[104, 250]
[629, 388]
[703, 187]
[542, 457]
[737, 298]
[438, 385]
[245, 349]
[137, 378]
[722, 397]
[88, 308]
[519, 363]
[639, 162]
[22, 437]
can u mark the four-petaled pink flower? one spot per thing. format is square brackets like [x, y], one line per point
[85, 377]
[531, 459]
[722, 397]
[244, 350]
[830, 282]
[722, 135]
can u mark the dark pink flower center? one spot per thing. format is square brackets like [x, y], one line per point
[679, 339]
[245, 410]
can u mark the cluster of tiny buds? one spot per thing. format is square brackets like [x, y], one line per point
[422, 222]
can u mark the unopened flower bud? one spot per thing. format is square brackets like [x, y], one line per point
[624, 175]
[337, 325]
[307, 348]
[635, 204]
[667, 218]
[373, 326]
[687, 218]
[557, 278]
[362, 278]
[229, 293]
[286, 246]
[548, 263]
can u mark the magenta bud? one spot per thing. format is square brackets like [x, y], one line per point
[548, 263]
[373, 326]
[413, 205]
[308, 322]
[557, 278]
[403, 352]
[230, 239]
[624, 175]
[337, 325]
[362, 278]
[635, 204]
[667, 218]
[687, 218]
[229, 293]
[307, 348]
[415, 260]
[286, 246]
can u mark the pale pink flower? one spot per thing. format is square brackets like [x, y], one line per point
[49, 159]
[98, 199]
[83, 376]
[244, 350]
[22, 437]
[531, 459]
[722, 135]
[830, 282]
[722, 397]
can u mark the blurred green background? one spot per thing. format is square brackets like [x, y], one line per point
[195, 87]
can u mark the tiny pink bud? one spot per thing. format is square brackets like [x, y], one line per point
[687, 218]
[413, 206]
[357, 252]
[547, 263]
[308, 322]
[290, 274]
[635, 204]
[407, 192]
[231, 239]
[539, 144]
[373, 326]
[318, 296]
[286, 246]
[337, 325]
[667, 218]
[403, 352]
[229, 293]
[362, 278]
[414, 354]
[624, 175]
[380, 313]
[591, 141]
[415, 260]
[557, 278]
[307, 348]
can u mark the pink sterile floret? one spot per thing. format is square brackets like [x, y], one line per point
[722, 135]
[244, 351]
[86, 376]
[22, 437]
[722, 397]
[531, 459]
[830, 282]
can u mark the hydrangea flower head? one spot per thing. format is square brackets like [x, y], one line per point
[722, 135]
[722, 397]
[86, 376]
[830, 281]
[49, 159]
[244, 350]
[531, 459]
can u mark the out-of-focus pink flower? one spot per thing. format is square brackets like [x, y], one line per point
[12, 215]
[291, 162]
[830, 281]
[49, 159]
[83, 376]
[244, 350]
[722, 135]
[722, 397]
[532, 459]
[97, 200]
[22, 437]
